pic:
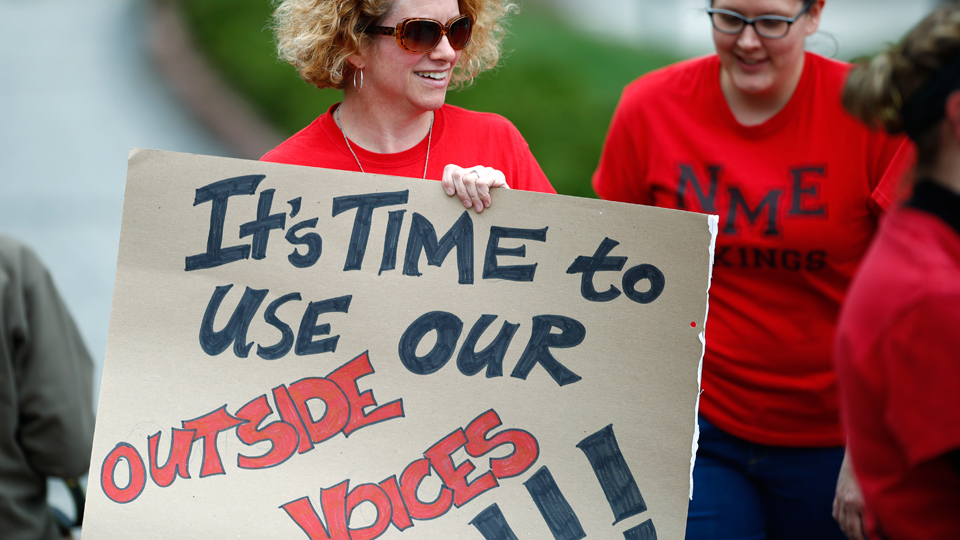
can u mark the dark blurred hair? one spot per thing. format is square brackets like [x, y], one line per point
[878, 90]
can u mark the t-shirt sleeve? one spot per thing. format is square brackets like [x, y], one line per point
[923, 379]
[308, 147]
[620, 173]
[528, 176]
[896, 157]
[297, 151]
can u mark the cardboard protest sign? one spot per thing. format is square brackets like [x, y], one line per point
[306, 353]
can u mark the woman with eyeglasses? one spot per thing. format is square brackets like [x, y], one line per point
[756, 133]
[897, 341]
[394, 61]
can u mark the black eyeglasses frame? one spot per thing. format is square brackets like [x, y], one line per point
[752, 22]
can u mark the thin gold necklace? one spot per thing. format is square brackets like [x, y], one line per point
[336, 117]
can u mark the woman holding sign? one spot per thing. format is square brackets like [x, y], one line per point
[897, 340]
[756, 133]
[394, 60]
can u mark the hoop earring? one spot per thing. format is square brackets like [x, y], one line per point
[360, 86]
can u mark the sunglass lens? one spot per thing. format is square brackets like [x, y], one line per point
[459, 33]
[421, 36]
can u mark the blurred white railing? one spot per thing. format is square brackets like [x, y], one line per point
[849, 27]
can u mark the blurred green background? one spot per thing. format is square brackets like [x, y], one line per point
[557, 85]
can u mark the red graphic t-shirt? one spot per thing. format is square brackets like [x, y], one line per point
[798, 198]
[461, 137]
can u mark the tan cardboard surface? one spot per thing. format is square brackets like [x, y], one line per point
[596, 409]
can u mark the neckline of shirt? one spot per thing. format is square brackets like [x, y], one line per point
[932, 198]
[396, 160]
[776, 122]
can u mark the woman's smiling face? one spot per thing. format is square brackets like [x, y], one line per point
[764, 67]
[401, 79]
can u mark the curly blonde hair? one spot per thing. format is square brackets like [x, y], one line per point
[317, 36]
[877, 90]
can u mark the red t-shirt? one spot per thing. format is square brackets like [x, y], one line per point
[798, 198]
[898, 361]
[460, 137]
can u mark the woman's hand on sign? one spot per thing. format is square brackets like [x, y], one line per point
[472, 184]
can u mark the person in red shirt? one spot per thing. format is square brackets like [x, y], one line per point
[897, 341]
[394, 60]
[757, 134]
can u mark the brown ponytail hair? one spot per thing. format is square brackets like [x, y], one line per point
[878, 91]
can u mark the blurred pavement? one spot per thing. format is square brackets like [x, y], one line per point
[77, 92]
[848, 28]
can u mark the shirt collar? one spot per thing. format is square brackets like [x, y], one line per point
[931, 197]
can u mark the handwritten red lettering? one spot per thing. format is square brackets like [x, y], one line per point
[295, 431]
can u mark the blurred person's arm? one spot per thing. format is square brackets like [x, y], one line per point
[54, 373]
[848, 502]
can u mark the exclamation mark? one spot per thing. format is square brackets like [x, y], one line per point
[615, 478]
[492, 525]
[556, 511]
[644, 531]
[617, 481]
